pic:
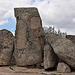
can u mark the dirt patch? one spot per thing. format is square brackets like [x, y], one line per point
[14, 70]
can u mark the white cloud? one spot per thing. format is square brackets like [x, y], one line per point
[58, 13]
[73, 19]
[3, 22]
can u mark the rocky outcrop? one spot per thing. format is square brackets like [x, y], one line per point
[62, 47]
[50, 58]
[27, 47]
[13, 62]
[65, 50]
[28, 37]
[6, 47]
[63, 68]
[51, 38]
[71, 37]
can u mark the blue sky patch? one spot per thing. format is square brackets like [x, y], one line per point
[41, 0]
[32, 2]
[11, 25]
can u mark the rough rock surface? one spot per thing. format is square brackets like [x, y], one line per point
[29, 37]
[6, 47]
[51, 38]
[65, 50]
[13, 62]
[71, 37]
[63, 68]
[49, 57]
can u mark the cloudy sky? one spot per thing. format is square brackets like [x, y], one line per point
[57, 13]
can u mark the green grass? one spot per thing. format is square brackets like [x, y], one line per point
[11, 68]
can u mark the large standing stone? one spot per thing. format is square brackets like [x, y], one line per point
[29, 37]
[50, 58]
[65, 50]
[6, 47]
[63, 68]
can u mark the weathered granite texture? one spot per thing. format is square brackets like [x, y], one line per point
[29, 37]
[63, 68]
[50, 58]
[6, 47]
[65, 50]
[51, 38]
[71, 37]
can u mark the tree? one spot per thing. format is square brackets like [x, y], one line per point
[52, 30]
